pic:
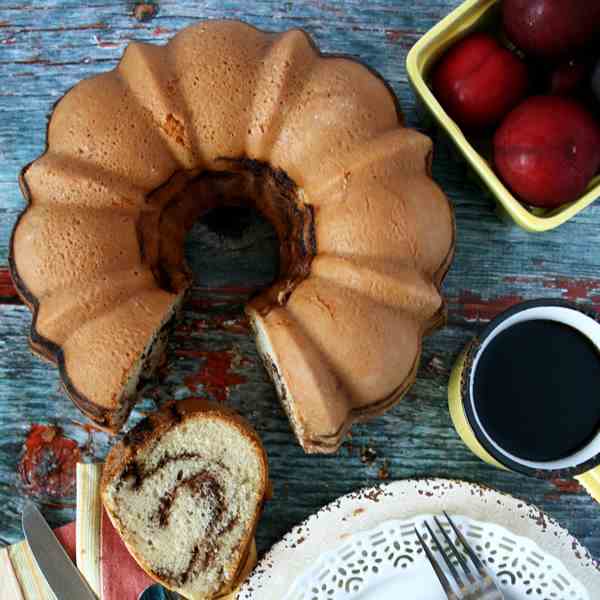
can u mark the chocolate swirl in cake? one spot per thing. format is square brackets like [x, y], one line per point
[202, 486]
[135, 471]
[206, 487]
[184, 489]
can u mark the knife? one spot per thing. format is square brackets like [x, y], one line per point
[62, 575]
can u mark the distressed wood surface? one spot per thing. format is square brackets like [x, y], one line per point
[48, 45]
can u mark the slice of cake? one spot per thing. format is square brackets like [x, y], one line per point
[185, 488]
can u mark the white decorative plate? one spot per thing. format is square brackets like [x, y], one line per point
[305, 551]
[388, 563]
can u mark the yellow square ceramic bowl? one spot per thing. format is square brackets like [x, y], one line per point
[476, 15]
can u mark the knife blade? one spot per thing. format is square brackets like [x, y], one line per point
[62, 575]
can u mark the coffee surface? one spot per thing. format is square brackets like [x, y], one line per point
[537, 390]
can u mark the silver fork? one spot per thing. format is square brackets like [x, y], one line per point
[474, 586]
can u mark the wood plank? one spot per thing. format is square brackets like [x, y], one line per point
[47, 46]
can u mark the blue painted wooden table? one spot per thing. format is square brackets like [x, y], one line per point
[46, 47]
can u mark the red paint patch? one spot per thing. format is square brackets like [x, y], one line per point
[215, 375]
[8, 293]
[570, 289]
[574, 289]
[473, 307]
[211, 297]
[160, 31]
[48, 464]
[567, 486]
[393, 35]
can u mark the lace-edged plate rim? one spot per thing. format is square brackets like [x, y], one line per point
[371, 511]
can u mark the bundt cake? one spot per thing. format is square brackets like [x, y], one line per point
[227, 114]
[184, 489]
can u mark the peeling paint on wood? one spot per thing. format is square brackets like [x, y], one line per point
[8, 293]
[472, 307]
[215, 376]
[47, 467]
[574, 289]
[48, 46]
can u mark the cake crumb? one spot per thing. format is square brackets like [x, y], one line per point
[367, 455]
[384, 473]
[436, 366]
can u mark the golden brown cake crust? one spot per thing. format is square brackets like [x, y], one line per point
[323, 132]
[153, 427]
[47, 349]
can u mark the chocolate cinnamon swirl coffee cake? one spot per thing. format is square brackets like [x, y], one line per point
[222, 115]
[185, 488]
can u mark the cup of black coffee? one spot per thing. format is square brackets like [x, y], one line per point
[525, 394]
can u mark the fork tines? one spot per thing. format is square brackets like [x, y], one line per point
[477, 585]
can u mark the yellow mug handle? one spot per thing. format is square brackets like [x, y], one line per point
[590, 480]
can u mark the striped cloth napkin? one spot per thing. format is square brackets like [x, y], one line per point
[92, 542]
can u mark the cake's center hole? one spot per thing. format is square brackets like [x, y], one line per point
[241, 222]
[233, 247]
